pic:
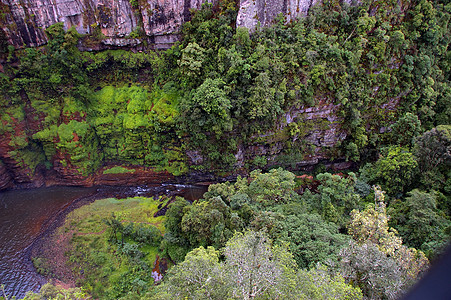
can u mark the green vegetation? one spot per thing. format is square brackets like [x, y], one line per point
[112, 246]
[258, 237]
[50, 291]
[228, 101]
[221, 90]
[118, 170]
[252, 269]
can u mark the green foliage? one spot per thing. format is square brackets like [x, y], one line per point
[406, 129]
[208, 109]
[265, 102]
[175, 244]
[419, 222]
[394, 170]
[318, 283]
[372, 63]
[118, 170]
[79, 141]
[274, 187]
[191, 61]
[226, 94]
[382, 279]
[141, 128]
[371, 225]
[56, 292]
[310, 238]
[433, 153]
[113, 258]
[253, 269]
[336, 197]
[197, 277]
[209, 222]
[376, 251]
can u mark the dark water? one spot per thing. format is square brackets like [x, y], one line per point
[23, 216]
[26, 214]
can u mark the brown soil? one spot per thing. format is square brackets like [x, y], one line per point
[56, 260]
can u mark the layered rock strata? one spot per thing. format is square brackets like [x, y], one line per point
[24, 21]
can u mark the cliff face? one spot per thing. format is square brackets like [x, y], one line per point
[24, 21]
[309, 134]
[264, 11]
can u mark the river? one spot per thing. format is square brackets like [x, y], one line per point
[25, 215]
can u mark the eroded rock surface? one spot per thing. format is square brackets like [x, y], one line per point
[265, 11]
[24, 21]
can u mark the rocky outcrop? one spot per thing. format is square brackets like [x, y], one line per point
[24, 21]
[138, 176]
[316, 129]
[252, 12]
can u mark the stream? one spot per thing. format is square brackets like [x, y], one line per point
[27, 215]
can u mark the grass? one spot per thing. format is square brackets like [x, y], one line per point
[101, 266]
[118, 170]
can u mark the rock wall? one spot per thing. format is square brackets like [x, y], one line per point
[264, 11]
[24, 21]
[320, 131]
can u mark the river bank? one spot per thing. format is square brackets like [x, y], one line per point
[49, 226]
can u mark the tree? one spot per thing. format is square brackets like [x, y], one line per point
[319, 283]
[272, 188]
[55, 292]
[115, 224]
[394, 170]
[253, 269]
[419, 222]
[336, 197]
[375, 273]
[191, 61]
[207, 109]
[310, 238]
[406, 129]
[256, 268]
[265, 102]
[371, 225]
[209, 222]
[433, 153]
[376, 258]
[199, 276]
[175, 242]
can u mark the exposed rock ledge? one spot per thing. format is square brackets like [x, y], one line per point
[24, 21]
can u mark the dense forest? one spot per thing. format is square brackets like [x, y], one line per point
[380, 67]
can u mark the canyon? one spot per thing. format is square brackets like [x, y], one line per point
[41, 145]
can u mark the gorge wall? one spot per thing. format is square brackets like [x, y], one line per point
[24, 21]
[133, 24]
[207, 110]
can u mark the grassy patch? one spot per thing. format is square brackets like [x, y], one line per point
[111, 264]
[118, 170]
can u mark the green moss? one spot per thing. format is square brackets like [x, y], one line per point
[118, 170]
[71, 106]
[135, 125]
